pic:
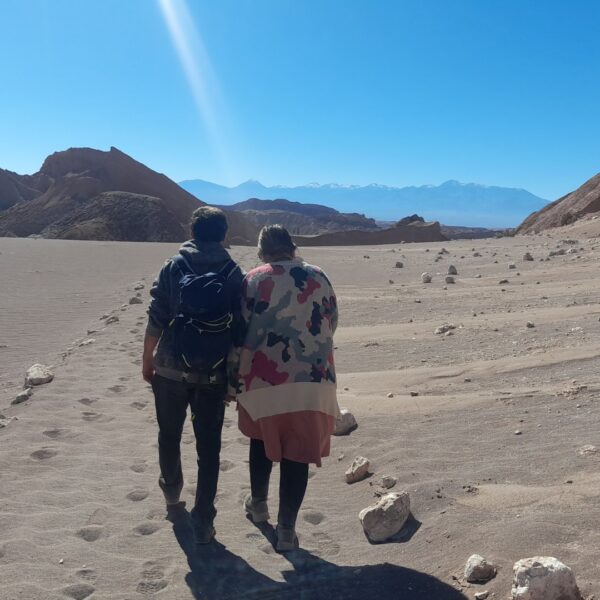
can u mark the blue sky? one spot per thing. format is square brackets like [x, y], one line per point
[295, 91]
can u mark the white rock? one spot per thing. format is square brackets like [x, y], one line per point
[6, 421]
[135, 300]
[87, 342]
[444, 328]
[112, 319]
[138, 286]
[587, 450]
[481, 595]
[386, 517]
[345, 423]
[478, 569]
[390, 395]
[358, 470]
[452, 270]
[543, 578]
[24, 395]
[38, 374]
[426, 277]
[387, 481]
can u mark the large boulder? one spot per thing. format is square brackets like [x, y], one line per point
[386, 517]
[38, 374]
[543, 578]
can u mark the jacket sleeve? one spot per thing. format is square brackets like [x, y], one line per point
[242, 316]
[160, 311]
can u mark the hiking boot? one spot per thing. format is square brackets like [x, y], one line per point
[203, 529]
[287, 539]
[257, 510]
[171, 493]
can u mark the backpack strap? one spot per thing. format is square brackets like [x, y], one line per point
[228, 269]
[183, 265]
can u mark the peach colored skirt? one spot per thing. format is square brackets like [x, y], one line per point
[303, 436]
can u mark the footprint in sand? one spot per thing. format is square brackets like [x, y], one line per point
[244, 441]
[156, 514]
[226, 465]
[267, 549]
[139, 466]
[94, 416]
[146, 528]
[56, 434]
[322, 545]
[314, 517]
[87, 575]
[117, 389]
[91, 533]
[137, 495]
[43, 454]
[79, 591]
[153, 578]
[139, 405]
[87, 401]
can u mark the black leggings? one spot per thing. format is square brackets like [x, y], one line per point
[292, 484]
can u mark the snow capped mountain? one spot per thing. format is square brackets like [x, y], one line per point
[452, 202]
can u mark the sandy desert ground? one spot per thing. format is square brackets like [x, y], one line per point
[81, 515]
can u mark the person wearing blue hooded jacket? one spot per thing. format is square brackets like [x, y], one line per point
[177, 386]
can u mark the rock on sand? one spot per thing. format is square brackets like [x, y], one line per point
[345, 423]
[358, 470]
[478, 569]
[543, 578]
[386, 517]
[38, 374]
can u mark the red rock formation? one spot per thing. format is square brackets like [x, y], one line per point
[71, 185]
[565, 210]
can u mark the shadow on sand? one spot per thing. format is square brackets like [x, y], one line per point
[217, 574]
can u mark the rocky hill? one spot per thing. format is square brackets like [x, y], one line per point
[566, 210]
[404, 231]
[302, 219]
[83, 193]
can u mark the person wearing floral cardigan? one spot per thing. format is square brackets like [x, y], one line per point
[282, 375]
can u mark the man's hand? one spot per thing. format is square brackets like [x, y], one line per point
[148, 369]
[148, 357]
[229, 399]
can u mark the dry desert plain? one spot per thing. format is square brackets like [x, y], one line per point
[81, 515]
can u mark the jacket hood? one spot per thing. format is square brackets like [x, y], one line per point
[204, 253]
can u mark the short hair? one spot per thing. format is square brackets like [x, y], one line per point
[209, 224]
[275, 241]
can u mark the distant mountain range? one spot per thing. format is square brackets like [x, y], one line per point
[452, 203]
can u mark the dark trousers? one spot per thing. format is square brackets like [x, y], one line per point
[292, 483]
[208, 409]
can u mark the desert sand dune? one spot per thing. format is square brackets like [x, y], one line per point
[81, 515]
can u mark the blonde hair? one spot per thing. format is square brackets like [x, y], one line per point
[275, 241]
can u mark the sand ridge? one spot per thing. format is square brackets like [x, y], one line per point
[81, 515]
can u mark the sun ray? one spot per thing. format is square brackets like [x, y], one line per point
[199, 73]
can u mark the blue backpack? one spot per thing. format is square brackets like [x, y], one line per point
[204, 321]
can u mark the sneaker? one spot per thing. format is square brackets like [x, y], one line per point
[171, 493]
[287, 539]
[257, 510]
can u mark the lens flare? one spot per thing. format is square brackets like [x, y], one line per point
[199, 73]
